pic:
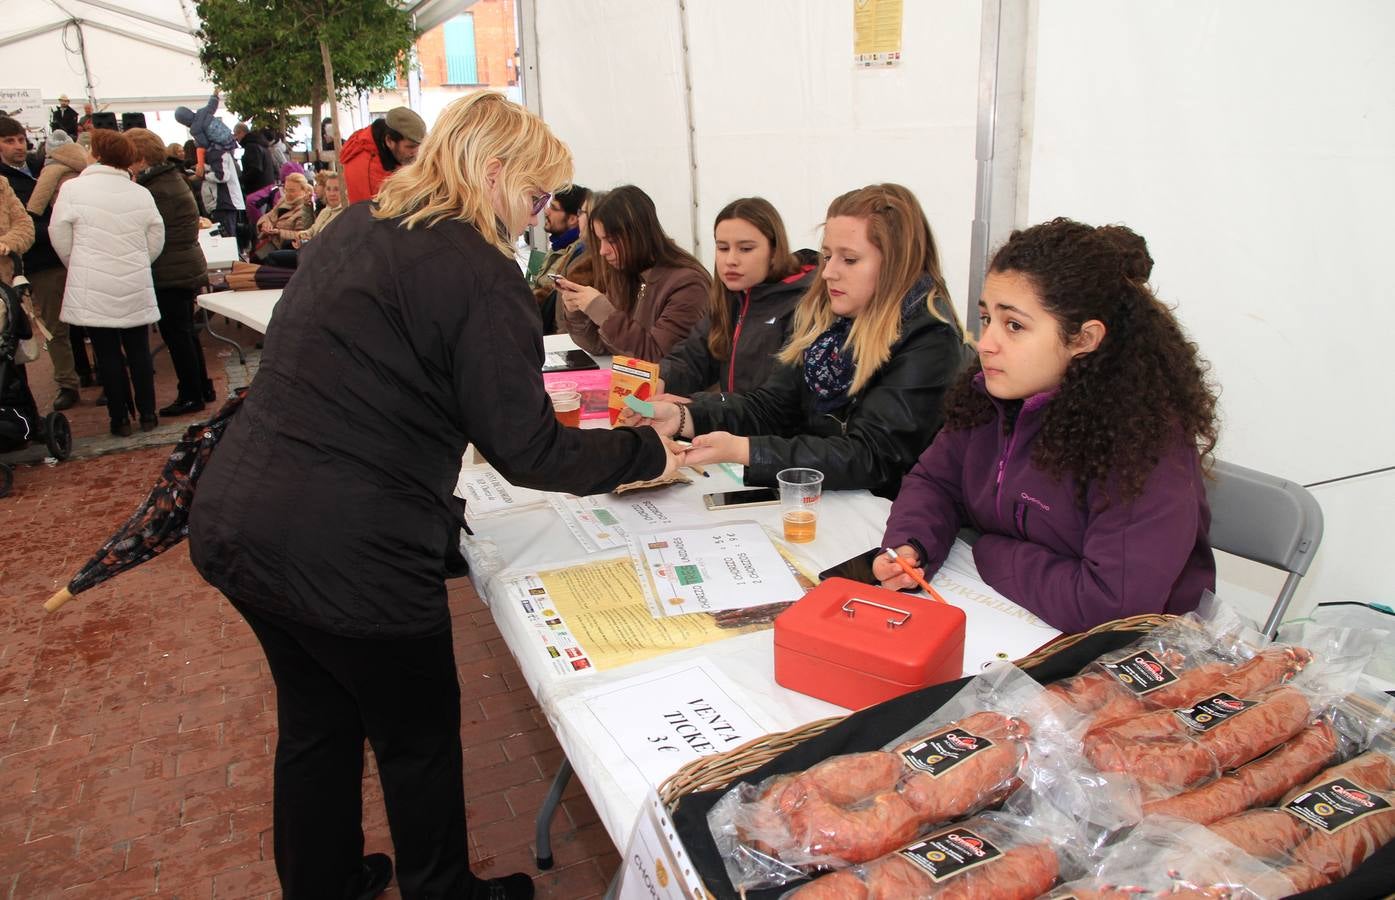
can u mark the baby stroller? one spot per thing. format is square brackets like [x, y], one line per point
[20, 422]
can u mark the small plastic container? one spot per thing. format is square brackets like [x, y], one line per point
[856, 645]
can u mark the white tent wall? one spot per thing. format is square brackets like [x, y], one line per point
[1253, 144]
[778, 109]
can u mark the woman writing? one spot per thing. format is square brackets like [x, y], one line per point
[1074, 444]
[649, 292]
[757, 285]
[857, 390]
[107, 231]
[326, 514]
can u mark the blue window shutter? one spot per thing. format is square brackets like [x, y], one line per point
[460, 50]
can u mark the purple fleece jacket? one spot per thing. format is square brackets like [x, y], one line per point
[1073, 567]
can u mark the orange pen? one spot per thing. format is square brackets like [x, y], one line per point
[910, 572]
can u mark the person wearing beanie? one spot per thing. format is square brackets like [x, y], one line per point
[371, 154]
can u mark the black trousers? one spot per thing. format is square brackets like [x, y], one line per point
[285, 259]
[332, 692]
[77, 336]
[120, 351]
[181, 339]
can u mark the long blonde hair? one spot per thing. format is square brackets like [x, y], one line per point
[896, 226]
[448, 180]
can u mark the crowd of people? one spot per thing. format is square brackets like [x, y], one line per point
[1072, 436]
[87, 193]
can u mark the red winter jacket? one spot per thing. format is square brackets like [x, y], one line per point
[363, 168]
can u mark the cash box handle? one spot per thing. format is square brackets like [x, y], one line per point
[890, 623]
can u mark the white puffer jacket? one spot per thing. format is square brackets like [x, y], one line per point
[107, 231]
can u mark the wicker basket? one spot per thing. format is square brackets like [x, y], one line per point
[718, 771]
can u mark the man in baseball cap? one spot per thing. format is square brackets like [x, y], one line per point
[371, 154]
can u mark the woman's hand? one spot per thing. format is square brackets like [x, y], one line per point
[665, 420]
[891, 575]
[265, 225]
[576, 297]
[4, 249]
[719, 447]
[676, 457]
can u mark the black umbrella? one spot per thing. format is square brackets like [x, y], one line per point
[162, 521]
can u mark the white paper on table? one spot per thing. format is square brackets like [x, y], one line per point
[487, 493]
[655, 866]
[995, 629]
[595, 526]
[664, 719]
[606, 522]
[731, 565]
[553, 639]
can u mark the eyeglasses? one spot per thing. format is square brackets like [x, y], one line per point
[539, 203]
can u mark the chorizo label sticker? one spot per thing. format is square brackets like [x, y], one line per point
[937, 755]
[1213, 711]
[1141, 672]
[1334, 805]
[950, 853]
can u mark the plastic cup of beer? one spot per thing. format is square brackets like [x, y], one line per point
[800, 490]
[560, 387]
[566, 405]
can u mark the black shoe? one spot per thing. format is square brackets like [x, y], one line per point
[517, 886]
[102, 399]
[377, 873]
[209, 395]
[182, 408]
[121, 429]
[67, 398]
[87, 379]
[149, 423]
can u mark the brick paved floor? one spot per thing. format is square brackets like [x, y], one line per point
[137, 724]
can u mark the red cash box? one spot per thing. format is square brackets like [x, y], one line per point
[855, 645]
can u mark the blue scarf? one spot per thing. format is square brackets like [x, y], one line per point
[828, 363]
[565, 238]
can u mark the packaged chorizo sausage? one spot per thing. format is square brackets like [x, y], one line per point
[1178, 749]
[1179, 663]
[1165, 857]
[993, 856]
[971, 753]
[1342, 731]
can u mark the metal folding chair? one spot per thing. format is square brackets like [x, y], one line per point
[1268, 520]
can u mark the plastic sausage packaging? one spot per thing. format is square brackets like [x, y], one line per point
[988, 857]
[1169, 858]
[853, 808]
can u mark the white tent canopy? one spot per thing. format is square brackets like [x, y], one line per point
[139, 54]
[129, 55]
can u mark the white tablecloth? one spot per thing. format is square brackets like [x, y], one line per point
[533, 539]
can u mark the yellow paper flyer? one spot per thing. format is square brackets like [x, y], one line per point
[594, 616]
[877, 32]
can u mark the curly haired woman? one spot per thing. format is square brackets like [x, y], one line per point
[1075, 444]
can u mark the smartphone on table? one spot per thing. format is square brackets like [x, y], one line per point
[748, 497]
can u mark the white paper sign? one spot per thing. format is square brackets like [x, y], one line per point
[695, 570]
[486, 492]
[26, 105]
[655, 865]
[590, 522]
[665, 719]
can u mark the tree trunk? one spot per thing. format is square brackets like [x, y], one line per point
[315, 105]
[333, 107]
